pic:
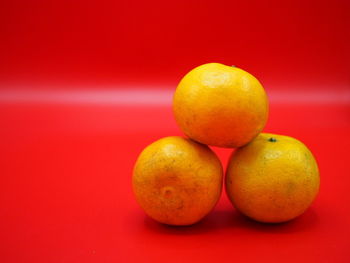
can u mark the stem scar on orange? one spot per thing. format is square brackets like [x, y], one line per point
[177, 181]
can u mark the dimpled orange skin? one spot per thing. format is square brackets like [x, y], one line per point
[177, 181]
[220, 105]
[272, 181]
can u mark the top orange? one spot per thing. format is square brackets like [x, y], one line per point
[220, 105]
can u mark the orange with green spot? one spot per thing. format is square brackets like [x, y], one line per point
[272, 179]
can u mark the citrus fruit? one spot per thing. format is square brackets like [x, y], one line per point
[220, 105]
[177, 181]
[272, 179]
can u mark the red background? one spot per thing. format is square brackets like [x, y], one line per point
[86, 85]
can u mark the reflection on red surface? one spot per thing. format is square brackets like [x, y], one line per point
[130, 95]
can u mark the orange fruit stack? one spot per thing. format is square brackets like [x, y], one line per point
[270, 178]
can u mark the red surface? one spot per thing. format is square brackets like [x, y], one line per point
[66, 189]
[86, 85]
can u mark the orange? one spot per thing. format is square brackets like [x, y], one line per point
[177, 181]
[220, 105]
[272, 179]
